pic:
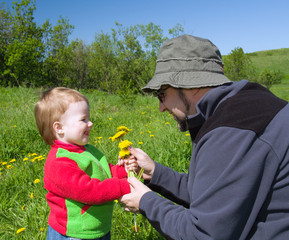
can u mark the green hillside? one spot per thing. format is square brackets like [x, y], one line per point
[277, 59]
[272, 59]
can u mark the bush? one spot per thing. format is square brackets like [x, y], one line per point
[269, 77]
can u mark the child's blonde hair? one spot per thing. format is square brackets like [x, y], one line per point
[51, 106]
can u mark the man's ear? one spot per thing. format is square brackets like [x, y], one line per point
[57, 126]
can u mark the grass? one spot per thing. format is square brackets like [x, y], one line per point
[22, 155]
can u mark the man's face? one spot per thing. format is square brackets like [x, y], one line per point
[177, 103]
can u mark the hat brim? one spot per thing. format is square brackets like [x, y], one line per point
[185, 80]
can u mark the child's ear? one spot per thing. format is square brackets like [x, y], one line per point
[57, 126]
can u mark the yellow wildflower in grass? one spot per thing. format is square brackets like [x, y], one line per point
[116, 201]
[186, 142]
[167, 123]
[124, 153]
[14, 126]
[41, 157]
[152, 135]
[32, 195]
[122, 128]
[4, 163]
[34, 154]
[187, 134]
[109, 119]
[118, 135]
[37, 181]
[13, 160]
[42, 229]
[25, 159]
[10, 166]
[20, 230]
[124, 144]
[140, 143]
[22, 208]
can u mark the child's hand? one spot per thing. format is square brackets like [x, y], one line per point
[130, 164]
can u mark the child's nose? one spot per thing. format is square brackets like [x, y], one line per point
[90, 124]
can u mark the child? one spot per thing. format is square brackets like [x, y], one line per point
[81, 184]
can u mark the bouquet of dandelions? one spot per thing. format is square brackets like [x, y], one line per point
[124, 153]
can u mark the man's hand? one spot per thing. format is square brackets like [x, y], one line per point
[131, 200]
[143, 161]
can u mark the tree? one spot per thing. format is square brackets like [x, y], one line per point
[5, 36]
[239, 66]
[24, 49]
[102, 63]
[55, 64]
[76, 55]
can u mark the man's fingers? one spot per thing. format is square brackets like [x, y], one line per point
[134, 182]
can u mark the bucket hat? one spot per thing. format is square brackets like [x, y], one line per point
[188, 62]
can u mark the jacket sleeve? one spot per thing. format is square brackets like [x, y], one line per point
[228, 183]
[117, 171]
[170, 184]
[64, 178]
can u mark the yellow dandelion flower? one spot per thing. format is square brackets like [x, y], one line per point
[152, 135]
[13, 160]
[116, 201]
[25, 159]
[42, 229]
[141, 132]
[167, 123]
[37, 181]
[124, 153]
[187, 134]
[186, 142]
[20, 230]
[4, 163]
[122, 128]
[34, 154]
[0, 169]
[124, 144]
[10, 166]
[118, 135]
[22, 208]
[140, 143]
[14, 126]
[32, 195]
[109, 119]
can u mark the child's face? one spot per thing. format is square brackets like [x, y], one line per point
[76, 124]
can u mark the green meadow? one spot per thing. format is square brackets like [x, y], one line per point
[23, 208]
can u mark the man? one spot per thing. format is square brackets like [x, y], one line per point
[238, 181]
